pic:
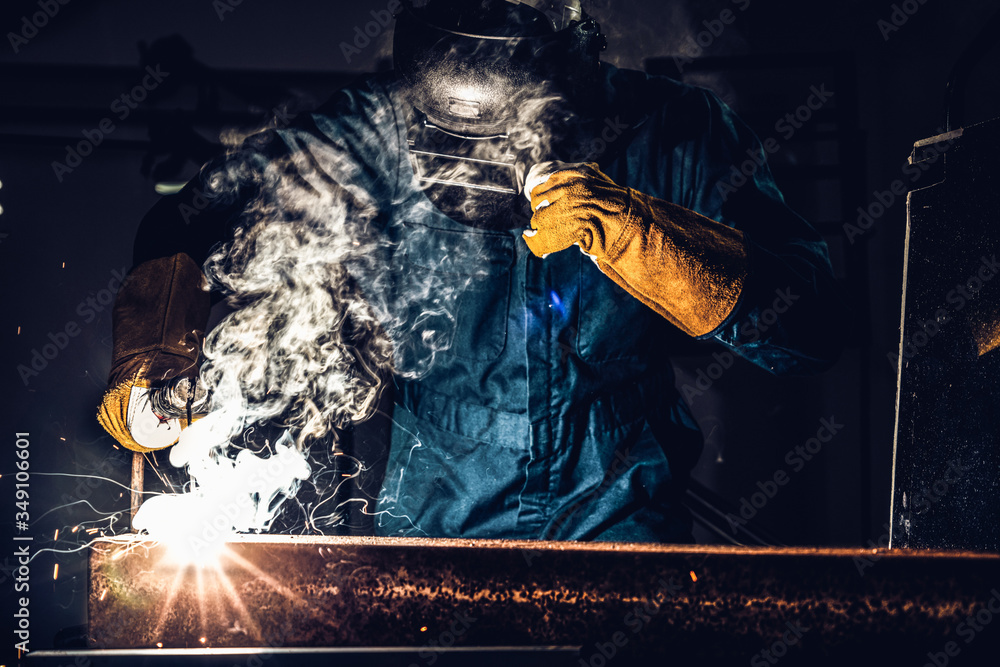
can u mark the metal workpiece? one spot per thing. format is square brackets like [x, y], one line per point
[946, 456]
[297, 591]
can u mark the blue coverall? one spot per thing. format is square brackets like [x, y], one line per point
[553, 414]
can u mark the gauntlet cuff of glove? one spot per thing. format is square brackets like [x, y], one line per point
[158, 324]
[685, 266]
[159, 320]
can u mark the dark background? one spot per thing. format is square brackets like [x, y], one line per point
[62, 242]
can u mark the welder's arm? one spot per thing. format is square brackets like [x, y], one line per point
[162, 310]
[688, 268]
[789, 316]
[158, 324]
[792, 317]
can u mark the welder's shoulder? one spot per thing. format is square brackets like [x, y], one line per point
[353, 118]
[699, 119]
[692, 109]
[359, 120]
[674, 114]
[368, 97]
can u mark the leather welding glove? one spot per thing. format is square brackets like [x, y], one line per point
[158, 324]
[688, 268]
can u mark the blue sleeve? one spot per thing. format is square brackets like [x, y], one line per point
[352, 144]
[790, 317]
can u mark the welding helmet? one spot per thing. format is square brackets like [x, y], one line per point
[465, 64]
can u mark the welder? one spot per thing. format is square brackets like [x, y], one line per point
[551, 413]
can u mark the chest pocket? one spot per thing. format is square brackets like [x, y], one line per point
[456, 289]
[613, 325]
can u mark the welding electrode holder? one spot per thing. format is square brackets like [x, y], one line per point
[181, 398]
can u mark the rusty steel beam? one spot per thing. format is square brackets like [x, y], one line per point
[643, 600]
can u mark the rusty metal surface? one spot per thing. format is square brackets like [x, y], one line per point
[625, 599]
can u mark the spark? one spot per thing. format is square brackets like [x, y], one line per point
[78, 502]
[94, 544]
[55, 538]
[159, 644]
[55, 572]
[175, 586]
[694, 577]
[104, 594]
[334, 494]
[69, 474]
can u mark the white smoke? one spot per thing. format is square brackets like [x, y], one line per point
[228, 495]
[320, 321]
